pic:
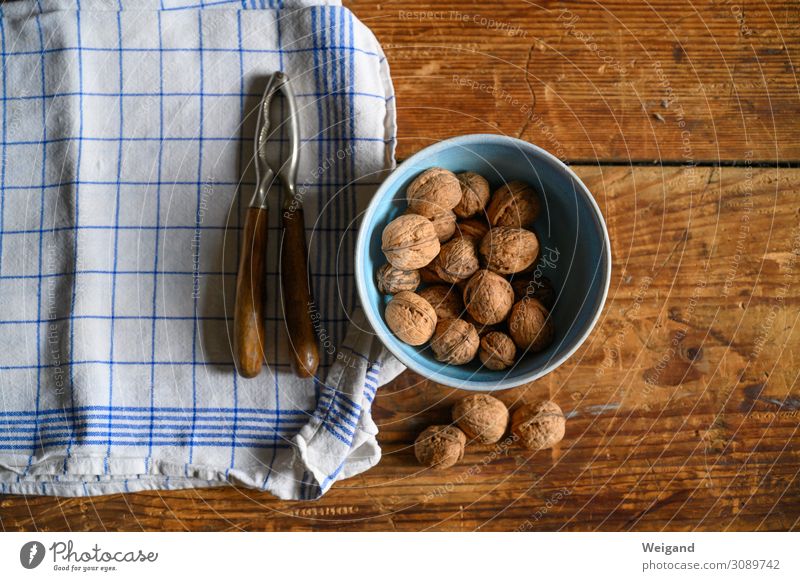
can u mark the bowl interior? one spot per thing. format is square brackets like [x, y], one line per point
[572, 236]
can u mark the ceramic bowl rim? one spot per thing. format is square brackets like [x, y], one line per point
[362, 247]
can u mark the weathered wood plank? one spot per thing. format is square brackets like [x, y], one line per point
[684, 402]
[619, 80]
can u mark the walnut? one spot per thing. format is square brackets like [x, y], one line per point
[392, 280]
[473, 228]
[445, 224]
[531, 268]
[481, 417]
[440, 446]
[539, 426]
[515, 204]
[428, 275]
[474, 194]
[509, 250]
[455, 341]
[488, 297]
[539, 288]
[410, 242]
[530, 325]
[497, 351]
[410, 317]
[433, 191]
[482, 328]
[445, 300]
[457, 260]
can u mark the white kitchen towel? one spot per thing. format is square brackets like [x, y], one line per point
[126, 142]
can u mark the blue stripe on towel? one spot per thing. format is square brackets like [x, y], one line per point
[151, 386]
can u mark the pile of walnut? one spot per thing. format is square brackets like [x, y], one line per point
[476, 256]
[483, 419]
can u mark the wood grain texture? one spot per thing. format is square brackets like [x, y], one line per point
[683, 404]
[297, 298]
[614, 81]
[248, 327]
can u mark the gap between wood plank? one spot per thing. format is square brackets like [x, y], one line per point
[680, 163]
[793, 164]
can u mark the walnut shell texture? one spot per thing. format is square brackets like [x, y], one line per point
[433, 191]
[516, 204]
[444, 223]
[497, 351]
[488, 297]
[473, 228]
[530, 325]
[410, 317]
[539, 288]
[539, 426]
[482, 328]
[445, 300]
[392, 280]
[455, 341]
[427, 274]
[440, 446]
[481, 417]
[509, 250]
[410, 242]
[474, 194]
[457, 260]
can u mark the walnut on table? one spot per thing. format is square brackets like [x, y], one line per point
[539, 426]
[440, 446]
[481, 417]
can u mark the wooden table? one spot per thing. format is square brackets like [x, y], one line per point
[684, 120]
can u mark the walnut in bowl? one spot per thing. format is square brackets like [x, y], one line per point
[539, 209]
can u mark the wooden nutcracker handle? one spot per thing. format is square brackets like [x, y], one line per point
[297, 301]
[248, 321]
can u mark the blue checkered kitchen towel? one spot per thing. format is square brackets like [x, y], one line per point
[123, 152]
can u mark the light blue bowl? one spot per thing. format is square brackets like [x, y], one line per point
[570, 223]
